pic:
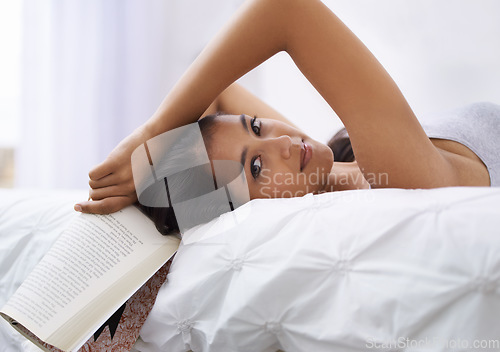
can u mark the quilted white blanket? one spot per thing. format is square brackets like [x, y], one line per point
[349, 271]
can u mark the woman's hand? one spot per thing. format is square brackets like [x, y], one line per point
[111, 183]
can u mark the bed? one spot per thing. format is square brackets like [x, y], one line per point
[347, 271]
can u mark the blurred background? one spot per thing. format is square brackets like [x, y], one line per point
[78, 76]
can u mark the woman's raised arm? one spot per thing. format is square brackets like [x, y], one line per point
[254, 34]
[384, 132]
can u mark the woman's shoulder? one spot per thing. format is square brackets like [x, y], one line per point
[468, 138]
[470, 169]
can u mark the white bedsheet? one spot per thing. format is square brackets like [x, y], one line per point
[367, 270]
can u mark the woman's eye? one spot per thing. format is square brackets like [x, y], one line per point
[256, 167]
[255, 126]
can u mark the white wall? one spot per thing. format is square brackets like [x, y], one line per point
[441, 53]
[10, 47]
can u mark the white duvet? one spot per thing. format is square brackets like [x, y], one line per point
[349, 271]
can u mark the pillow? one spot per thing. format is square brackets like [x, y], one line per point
[349, 271]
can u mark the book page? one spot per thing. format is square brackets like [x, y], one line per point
[91, 255]
[127, 332]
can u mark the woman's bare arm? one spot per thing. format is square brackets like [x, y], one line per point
[385, 134]
[236, 100]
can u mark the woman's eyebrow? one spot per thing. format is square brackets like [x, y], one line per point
[244, 156]
[243, 121]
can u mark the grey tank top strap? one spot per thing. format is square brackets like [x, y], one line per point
[477, 126]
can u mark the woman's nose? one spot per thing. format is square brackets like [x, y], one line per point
[283, 144]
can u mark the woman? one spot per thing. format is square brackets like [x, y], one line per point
[391, 147]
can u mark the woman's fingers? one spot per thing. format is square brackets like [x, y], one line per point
[111, 182]
[101, 170]
[106, 181]
[125, 189]
[104, 206]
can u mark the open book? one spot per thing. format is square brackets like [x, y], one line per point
[99, 272]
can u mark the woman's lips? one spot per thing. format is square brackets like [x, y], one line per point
[305, 155]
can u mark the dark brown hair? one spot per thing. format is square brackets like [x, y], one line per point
[340, 144]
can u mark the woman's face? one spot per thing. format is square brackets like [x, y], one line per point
[279, 160]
